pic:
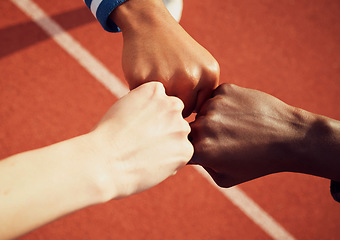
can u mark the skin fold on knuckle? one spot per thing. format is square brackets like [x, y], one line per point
[224, 89]
[176, 104]
[155, 90]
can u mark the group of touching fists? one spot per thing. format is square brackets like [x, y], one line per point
[238, 134]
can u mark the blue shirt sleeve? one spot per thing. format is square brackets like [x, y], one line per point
[102, 9]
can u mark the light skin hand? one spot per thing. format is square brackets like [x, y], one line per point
[144, 139]
[241, 134]
[140, 141]
[157, 48]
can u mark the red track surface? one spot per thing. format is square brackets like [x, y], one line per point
[289, 49]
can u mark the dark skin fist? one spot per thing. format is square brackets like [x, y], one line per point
[241, 134]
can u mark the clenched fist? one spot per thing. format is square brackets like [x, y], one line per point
[157, 48]
[142, 140]
[241, 134]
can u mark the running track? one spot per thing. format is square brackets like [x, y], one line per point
[48, 93]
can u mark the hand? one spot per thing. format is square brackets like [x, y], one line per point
[157, 48]
[241, 134]
[141, 141]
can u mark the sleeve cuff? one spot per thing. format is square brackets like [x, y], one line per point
[335, 190]
[102, 9]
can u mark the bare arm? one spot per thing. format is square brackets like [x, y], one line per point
[157, 48]
[41, 185]
[124, 154]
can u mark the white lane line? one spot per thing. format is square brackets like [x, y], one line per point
[103, 75]
[251, 209]
[72, 47]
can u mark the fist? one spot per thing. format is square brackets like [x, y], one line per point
[157, 48]
[143, 139]
[241, 134]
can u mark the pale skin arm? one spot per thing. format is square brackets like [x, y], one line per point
[126, 153]
[157, 48]
[242, 134]
[39, 186]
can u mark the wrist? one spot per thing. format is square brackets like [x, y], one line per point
[316, 153]
[98, 156]
[136, 14]
[84, 169]
[57, 179]
[107, 171]
[293, 147]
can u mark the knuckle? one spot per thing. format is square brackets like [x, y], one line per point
[203, 146]
[158, 88]
[191, 76]
[204, 122]
[207, 123]
[154, 89]
[189, 150]
[159, 75]
[183, 126]
[224, 89]
[176, 104]
[198, 128]
[136, 77]
[215, 104]
[186, 127]
[213, 69]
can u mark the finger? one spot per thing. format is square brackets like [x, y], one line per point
[190, 137]
[194, 159]
[205, 109]
[222, 89]
[176, 103]
[186, 94]
[150, 89]
[219, 178]
[189, 100]
[193, 135]
[208, 82]
[210, 171]
[203, 96]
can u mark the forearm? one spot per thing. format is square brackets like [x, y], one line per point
[103, 10]
[39, 186]
[121, 156]
[135, 14]
[318, 152]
